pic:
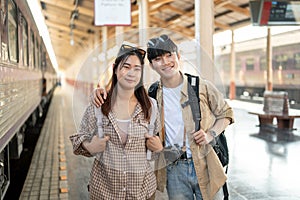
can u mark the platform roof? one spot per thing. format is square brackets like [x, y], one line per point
[175, 15]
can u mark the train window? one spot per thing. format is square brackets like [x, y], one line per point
[32, 50]
[12, 31]
[281, 62]
[263, 63]
[297, 60]
[37, 55]
[249, 64]
[41, 57]
[25, 42]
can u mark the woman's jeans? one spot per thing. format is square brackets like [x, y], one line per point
[182, 183]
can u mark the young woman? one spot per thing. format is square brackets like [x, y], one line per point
[121, 169]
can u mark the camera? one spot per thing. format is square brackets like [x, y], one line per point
[172, 153]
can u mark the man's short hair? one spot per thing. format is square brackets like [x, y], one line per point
[160, 46]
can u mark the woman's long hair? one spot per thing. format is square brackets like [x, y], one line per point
[139, 91]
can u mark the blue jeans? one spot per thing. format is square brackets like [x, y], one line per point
[182, 183]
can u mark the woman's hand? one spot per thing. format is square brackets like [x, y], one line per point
[97, 145]
[153, 143]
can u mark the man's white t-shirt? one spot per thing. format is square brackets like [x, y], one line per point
[174, 124]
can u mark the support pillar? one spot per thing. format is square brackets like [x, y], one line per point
[204, 30]
[269, 85]
[105, 75]
[143, 36]
[119, 35]
[232, 68]
[143, 22]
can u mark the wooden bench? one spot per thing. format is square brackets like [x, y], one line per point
[276, 105]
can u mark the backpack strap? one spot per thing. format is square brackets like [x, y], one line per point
[99, 116]
[225, 191]
[152, 91]
[153, 115]
[194, 99]
[152, 121]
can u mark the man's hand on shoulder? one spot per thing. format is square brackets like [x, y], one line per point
[99, 96]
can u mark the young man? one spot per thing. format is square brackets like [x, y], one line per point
[198, 173]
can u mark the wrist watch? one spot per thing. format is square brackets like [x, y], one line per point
[214, 134]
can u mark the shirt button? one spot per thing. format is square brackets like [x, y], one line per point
[124, 173]
[124, 189]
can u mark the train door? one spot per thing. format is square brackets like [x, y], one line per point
[13, 36]
[3, 30]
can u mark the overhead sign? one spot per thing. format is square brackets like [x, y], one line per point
[112, 12]
[275, 13]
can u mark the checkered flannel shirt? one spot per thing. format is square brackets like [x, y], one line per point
[120, 172]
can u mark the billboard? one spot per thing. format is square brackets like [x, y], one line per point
[275, 13]
[112, 12]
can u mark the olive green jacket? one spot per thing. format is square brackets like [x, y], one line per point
[210, 173]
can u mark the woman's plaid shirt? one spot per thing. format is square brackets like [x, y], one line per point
[120, 172]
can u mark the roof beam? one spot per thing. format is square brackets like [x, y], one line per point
[63, 27]
[70, 7]
[221, 3]
[222, 25]
[238, 9]
[172, 8]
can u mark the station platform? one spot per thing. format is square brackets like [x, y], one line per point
[259, 169]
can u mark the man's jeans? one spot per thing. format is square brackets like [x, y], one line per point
[182, 183]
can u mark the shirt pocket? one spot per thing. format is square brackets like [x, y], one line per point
[136, 137]
[139, 129]
[109, 130]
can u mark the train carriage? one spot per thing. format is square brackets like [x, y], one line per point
[250, 68]
[27, 80]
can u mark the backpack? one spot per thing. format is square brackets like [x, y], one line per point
[99, 116]
[220, 147]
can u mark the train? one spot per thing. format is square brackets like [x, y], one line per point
[27, 81]
[251, 68]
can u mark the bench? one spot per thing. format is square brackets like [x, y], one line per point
[276, 105]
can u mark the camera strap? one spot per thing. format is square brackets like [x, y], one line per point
[184, 141]
[162, 118]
